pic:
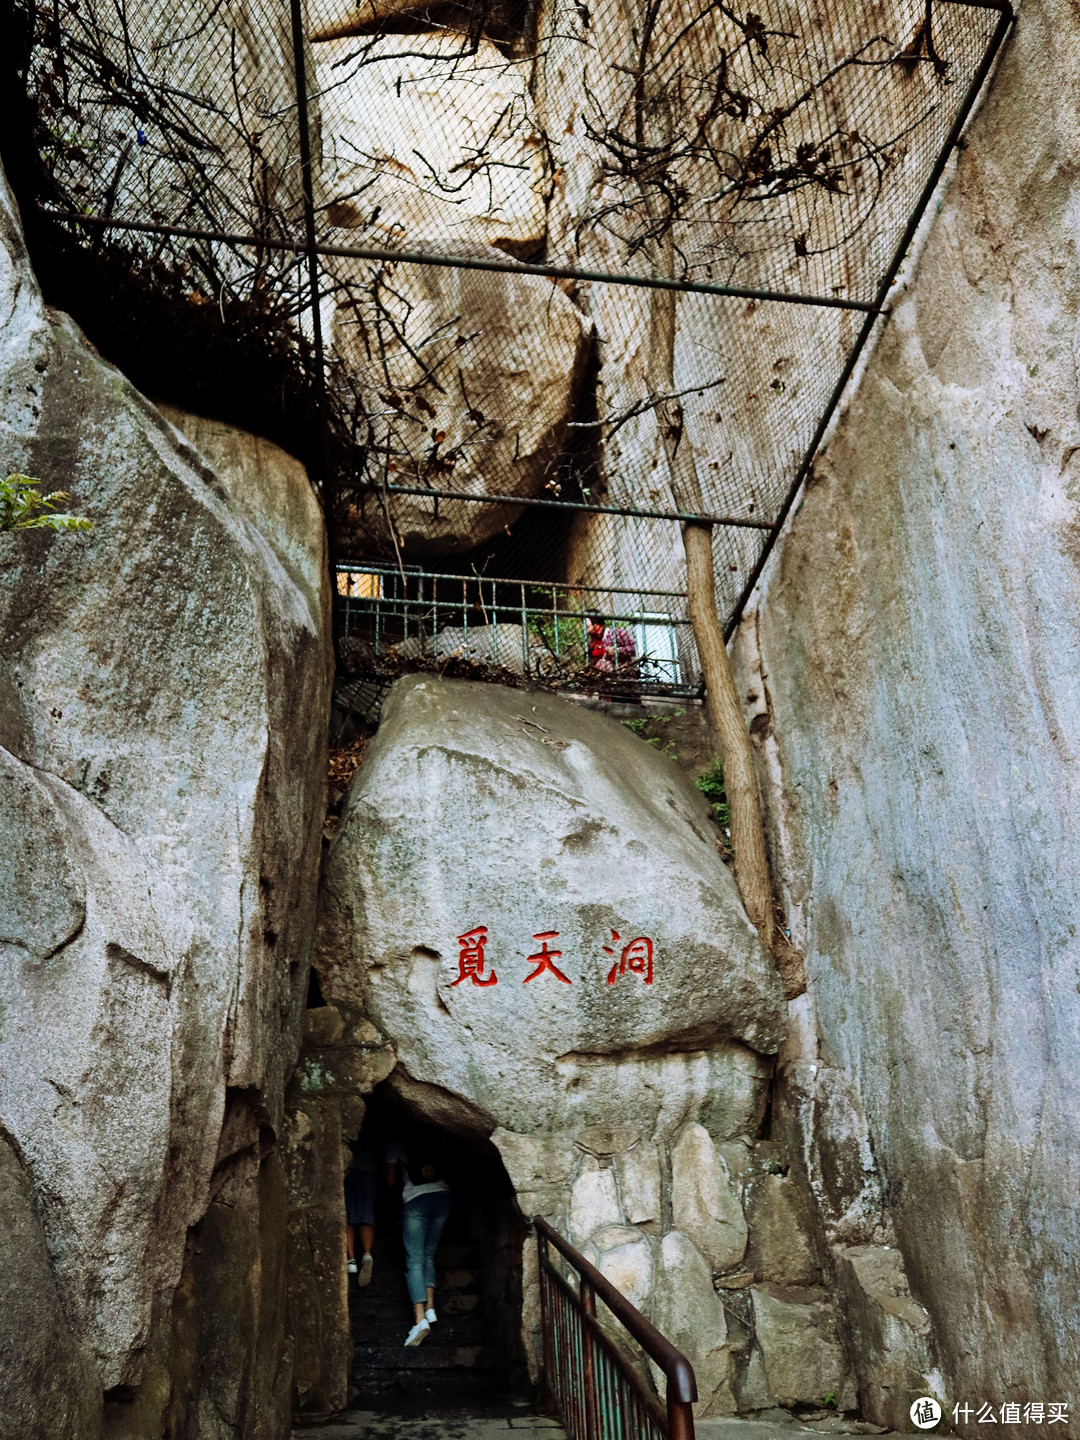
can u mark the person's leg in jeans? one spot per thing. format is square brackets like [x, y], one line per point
[413, 1229]
[438, 1210]
[360, 1215]
[422, 1221]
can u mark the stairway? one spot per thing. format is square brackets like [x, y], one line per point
[453, 1366]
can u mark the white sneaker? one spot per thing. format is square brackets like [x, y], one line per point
[430, 1316]
[418, 1333]
[366, 1266]
[350, 1266]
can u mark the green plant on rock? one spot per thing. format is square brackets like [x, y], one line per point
[23, 507]
[711, 784]
[642, 724]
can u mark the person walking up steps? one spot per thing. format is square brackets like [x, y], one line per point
[425, 1205]
[360, 1182]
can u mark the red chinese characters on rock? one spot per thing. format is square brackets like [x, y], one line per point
[636, 957]
[471, 959]
[545, 959]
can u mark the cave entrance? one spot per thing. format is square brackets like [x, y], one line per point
[473, 1356]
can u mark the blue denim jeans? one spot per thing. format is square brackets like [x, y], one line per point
[422, 1221]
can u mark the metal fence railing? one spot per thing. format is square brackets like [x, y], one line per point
[593, 1385]
[629, 641]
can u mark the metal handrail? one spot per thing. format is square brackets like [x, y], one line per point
[378, 567]
[538, 628]
[583, 1413]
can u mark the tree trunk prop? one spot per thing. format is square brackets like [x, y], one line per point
[721, 700]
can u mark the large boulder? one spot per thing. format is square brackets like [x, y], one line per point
[548, 842]
[516, 349]
[431, 137]
[271, 488]
[466, 379]
[163, 697]
[920, 631]
[529, 906]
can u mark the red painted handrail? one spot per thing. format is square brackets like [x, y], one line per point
[678, 1421]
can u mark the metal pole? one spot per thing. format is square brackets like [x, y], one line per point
[577, 505]
[546, 1321]
[310, 249]
[524, 632]
[463, 262]
[680, 1417]
[588, 1320]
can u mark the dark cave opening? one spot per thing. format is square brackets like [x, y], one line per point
[474, 1354]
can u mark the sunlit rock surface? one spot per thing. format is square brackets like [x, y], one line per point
[920, 634]
[431, 138]
[524, 816]
[468, 378]
[163, 700]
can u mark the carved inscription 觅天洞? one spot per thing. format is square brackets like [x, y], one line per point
[633, 958]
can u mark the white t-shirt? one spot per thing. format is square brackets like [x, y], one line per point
[397, 1153]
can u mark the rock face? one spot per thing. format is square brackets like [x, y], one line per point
[919, 634]
[398, 114]
[518, 349]
[505, 819]
[163, 693]
[625, 1102]
[47, 1382]
[796, 1330]
[704, 1202]
[689, 1313]
[219, 71]
[271, 489]
[343, 1057]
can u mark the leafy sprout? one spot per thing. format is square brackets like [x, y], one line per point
[23, 507]
[641, 727]
[711, 784]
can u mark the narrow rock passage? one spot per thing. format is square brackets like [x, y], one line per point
[472, 1359]
[453, 1366]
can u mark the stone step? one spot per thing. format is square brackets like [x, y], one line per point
[428, 1356]
[448, 1329]
[454, 1365]
[462, 1252]
[385, 1317]
[465, 1423]
[459, 1279]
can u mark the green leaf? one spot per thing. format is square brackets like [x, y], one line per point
[23, 507]
[711, 784]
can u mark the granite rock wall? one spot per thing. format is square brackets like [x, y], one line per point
[164, 689]
[914, 655]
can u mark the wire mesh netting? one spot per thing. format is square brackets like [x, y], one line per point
[515, 244]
